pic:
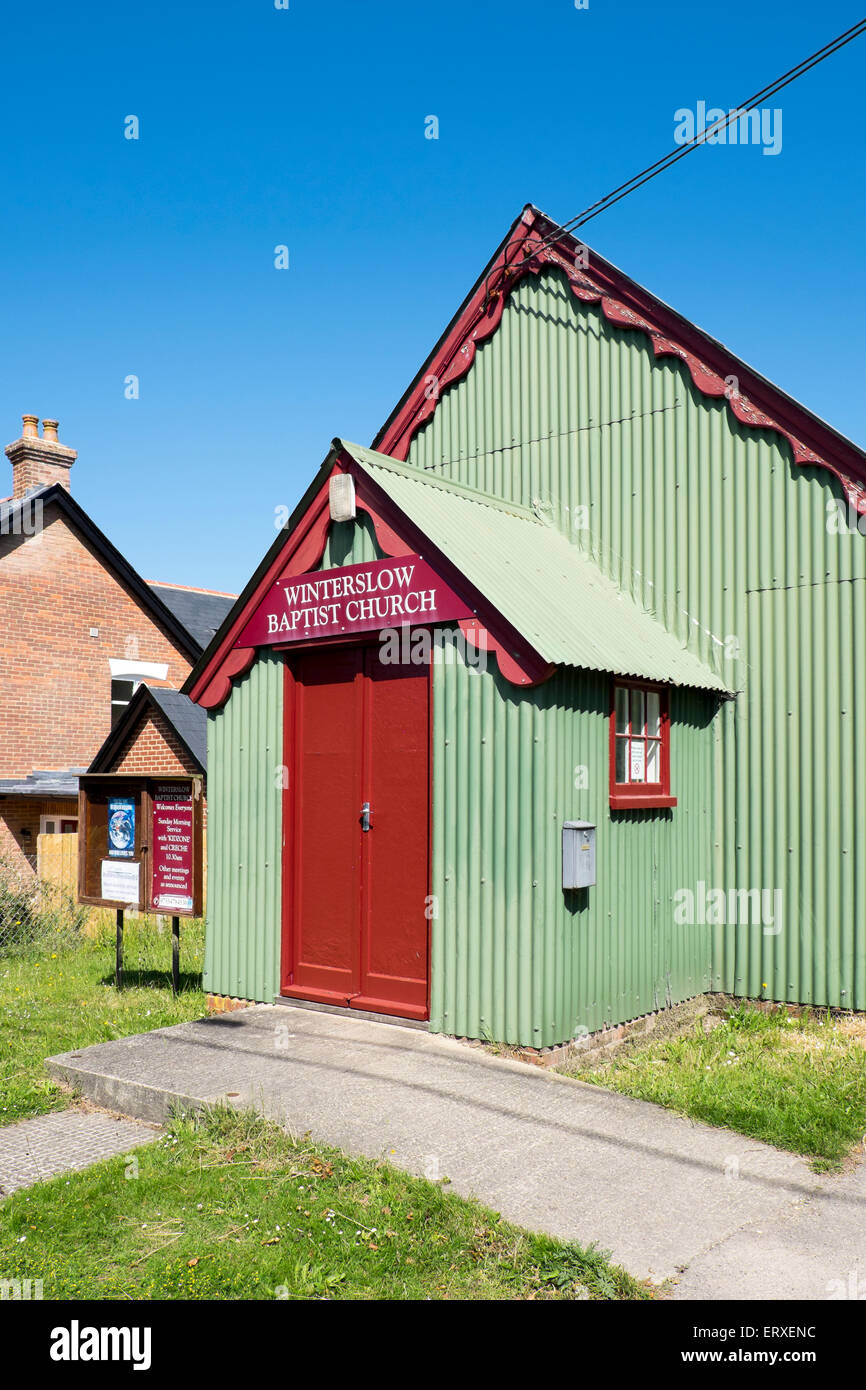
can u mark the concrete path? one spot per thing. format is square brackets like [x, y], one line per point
[64, 1140]
[549, 1153]
[811, 1248]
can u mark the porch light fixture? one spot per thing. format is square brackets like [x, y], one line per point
[341, 497]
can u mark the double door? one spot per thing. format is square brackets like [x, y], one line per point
[356, 831]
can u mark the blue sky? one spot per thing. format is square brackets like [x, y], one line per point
[305, 127]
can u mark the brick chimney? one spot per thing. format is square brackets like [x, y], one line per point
[39, 460]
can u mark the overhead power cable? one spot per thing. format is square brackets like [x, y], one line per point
[632, 418]
[700, 138]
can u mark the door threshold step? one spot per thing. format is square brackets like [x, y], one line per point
[344, 1012]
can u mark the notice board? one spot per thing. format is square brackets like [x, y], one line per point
[140, 842]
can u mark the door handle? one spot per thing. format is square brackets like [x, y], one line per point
[366, 818]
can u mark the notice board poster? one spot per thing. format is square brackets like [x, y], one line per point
[120, 882]
[121, 827]
[172, 886]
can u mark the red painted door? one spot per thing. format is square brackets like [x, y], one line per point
[355, 921]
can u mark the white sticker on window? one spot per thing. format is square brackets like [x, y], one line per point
[637, 762]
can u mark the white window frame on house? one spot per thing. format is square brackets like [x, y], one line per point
[50, 825]
[133, 672]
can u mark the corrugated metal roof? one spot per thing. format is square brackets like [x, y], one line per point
[548, 589]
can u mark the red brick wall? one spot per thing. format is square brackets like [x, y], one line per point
[20, 814]
[55, 680]
[153, 746]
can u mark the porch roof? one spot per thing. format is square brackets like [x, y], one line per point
[550, 590]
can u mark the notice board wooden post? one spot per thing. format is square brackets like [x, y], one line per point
[118, 950]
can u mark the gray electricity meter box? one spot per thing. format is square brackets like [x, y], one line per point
[578, 854]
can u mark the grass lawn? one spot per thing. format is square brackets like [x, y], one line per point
[57, 1000]
[234, 1208]
[797, 1083]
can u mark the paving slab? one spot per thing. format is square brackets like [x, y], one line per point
[546, 1151]
[63, 1141]
[814, 1248]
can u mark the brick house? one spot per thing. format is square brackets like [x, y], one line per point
[81, 631]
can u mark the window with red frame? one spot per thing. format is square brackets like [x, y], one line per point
[639, 747]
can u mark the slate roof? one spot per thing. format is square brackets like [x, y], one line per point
[189, 721]
[200, 612]
[13, 508]
[62, 782]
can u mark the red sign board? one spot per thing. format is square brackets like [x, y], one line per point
[357, 598]
[172, 888]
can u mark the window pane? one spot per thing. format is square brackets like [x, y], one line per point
[652, 714]
[637, 711]
[653, 762]
[621, 750]
[637, 760]
[621, 703]
[122, 690]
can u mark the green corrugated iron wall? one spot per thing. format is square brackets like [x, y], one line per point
[515, 958]
[717, 532]
[245, 753]
[796, 779]
[350, 543]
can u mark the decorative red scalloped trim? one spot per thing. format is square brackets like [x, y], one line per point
[237, 663]
[393, 545]
[484, 314]
[312, 547]
[519, 671]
